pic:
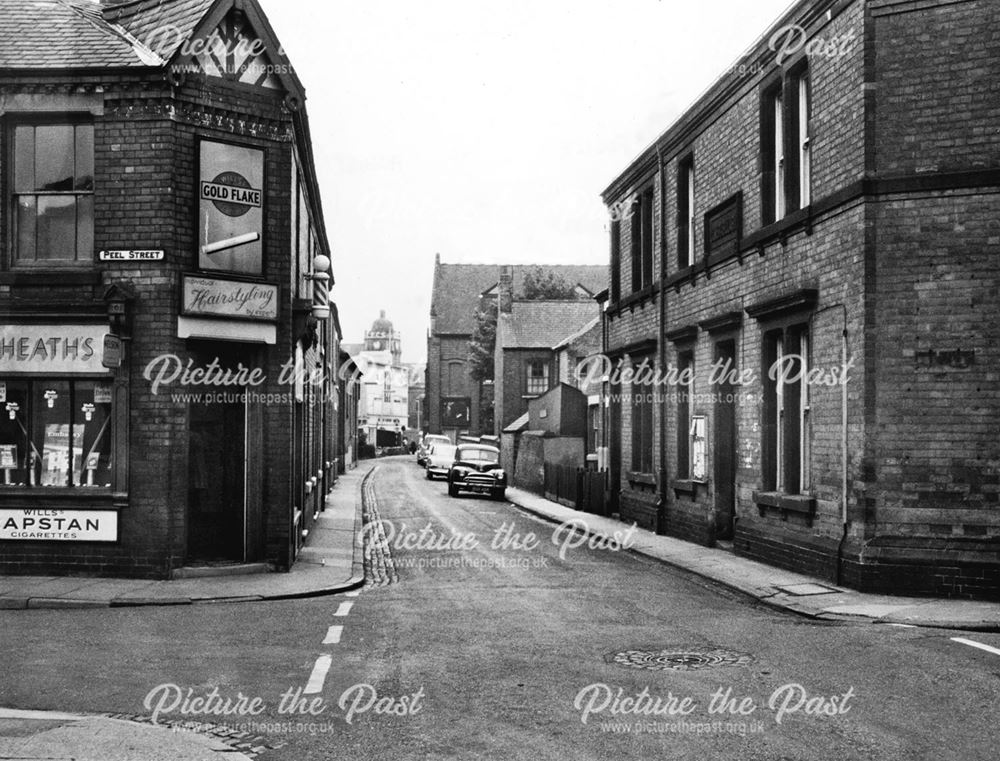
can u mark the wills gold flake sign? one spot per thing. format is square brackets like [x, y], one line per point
[212, 297]
[59, 525]
[230, 208]
[52, 349]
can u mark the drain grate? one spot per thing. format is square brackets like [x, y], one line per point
[679, 659]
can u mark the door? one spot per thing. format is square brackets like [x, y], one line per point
[217, 482]
[725, 442]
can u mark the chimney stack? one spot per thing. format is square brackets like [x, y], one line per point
[505, 290]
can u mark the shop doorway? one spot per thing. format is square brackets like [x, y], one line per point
[217, 477]
[725, 443]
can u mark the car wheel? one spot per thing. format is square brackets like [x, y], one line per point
[499, 494]
[452, 490]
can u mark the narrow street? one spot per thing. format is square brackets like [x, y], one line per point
[479, 637]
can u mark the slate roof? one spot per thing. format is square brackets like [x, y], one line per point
[576, 335]
[543, 324]
[59, 34]
[141, 18]
[457, 288]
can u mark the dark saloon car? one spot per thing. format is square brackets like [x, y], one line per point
[477, 469]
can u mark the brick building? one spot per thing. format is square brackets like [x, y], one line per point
[830, 202]
[454, 401]
[160, 219]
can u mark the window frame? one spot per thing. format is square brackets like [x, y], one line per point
[643, 444]
[786, 431]
[686, 182]
[9, 125]
[685, 413]
[545, 376]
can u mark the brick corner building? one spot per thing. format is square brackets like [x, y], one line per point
[167, 387]
[827, 208]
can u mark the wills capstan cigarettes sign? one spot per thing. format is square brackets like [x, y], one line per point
[59, 525]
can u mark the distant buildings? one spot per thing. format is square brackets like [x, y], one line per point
[383, 404]
[456, 403]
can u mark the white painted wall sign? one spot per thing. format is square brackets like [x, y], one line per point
[58, 525]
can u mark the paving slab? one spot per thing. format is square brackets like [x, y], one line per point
[38, 735]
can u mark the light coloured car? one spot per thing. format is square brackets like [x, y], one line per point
[439, 460]
[425, 446]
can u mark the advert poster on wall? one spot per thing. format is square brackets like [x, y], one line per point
[230, 208]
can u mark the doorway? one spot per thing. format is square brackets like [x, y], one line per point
[217, 482]
[725, 442]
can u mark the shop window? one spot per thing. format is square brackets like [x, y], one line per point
[52, 193]
[785, 445]
[536, 377]
[55, 433]
[685, 213]
[642, 425]
[685, 368]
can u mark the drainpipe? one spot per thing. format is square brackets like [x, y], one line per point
[843, 440]
[661, 506]
[843, 455]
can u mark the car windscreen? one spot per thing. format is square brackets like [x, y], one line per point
[477, 455]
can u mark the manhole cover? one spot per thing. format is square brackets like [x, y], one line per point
[682, 659]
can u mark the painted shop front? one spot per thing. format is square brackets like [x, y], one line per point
[167, 362]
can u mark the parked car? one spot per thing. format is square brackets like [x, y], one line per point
[476, 468]
[490, 441]
[439, 460]
[426, 443]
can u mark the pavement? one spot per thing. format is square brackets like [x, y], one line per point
[777, 588]
[330, 562]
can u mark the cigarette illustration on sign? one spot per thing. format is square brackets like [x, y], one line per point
[230, 207]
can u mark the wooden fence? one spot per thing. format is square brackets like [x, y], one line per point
[578, 488]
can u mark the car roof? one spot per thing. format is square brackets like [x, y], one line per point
[481, 447]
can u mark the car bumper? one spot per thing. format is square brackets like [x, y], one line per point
[478, 485]
[435, 470]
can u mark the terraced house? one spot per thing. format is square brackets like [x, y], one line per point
[166, 354]
[828, 210]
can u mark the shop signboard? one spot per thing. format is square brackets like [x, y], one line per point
[51, 525]
[215, 297]
[52, 349]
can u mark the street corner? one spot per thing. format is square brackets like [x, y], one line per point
[31, 735]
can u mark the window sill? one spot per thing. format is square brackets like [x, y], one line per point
[646, 479]
[787, 503]
[687, 485]
[49, 275]
[58, 493]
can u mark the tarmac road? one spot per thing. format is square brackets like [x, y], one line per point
[480, 637]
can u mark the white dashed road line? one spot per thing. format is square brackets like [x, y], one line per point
[318, 675]
[333, 635]
[344, 608]
[978, 645]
